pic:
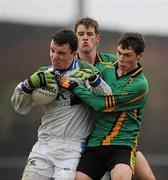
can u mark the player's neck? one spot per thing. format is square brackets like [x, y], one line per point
[89, 57]
[122, 72]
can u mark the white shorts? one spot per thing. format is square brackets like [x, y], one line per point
[54, 159]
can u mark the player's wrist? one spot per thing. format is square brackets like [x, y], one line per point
[73, 85]
[26, 83]
[26, 88]
[32, 83]
[94, 80]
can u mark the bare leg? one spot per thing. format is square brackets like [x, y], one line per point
[142, 169]
[121, 172]
[82, 176]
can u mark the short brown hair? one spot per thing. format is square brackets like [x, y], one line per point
[87, 22]
[66, 36]
[132, 40]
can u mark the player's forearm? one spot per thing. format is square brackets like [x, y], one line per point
[96, 101]
[102, 88]
[21, 101]
[109, 103]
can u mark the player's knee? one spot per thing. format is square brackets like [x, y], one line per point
[151, 177]
[82, 176]
[121, 172]
[33, 176]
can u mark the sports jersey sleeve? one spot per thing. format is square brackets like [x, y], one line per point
[103, 88]
[133, 95]
[85, 65]
[21, 100]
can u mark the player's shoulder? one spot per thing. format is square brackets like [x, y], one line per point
[143, 80]
[139, 80]
[83, 64]
[86, 65]
[107, 58]
[45, 68]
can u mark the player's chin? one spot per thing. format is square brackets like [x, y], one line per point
[121, 67]
[57, 66]
[86, 49]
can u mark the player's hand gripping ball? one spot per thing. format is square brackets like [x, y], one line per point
[45, 95]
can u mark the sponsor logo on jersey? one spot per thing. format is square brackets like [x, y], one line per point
[32, 162]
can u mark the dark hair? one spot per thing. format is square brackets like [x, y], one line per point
[66, 36]
[87, 22]
[132, 40]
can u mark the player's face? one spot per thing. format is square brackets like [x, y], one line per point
[88, 40]
[61, 56]
[127, 59]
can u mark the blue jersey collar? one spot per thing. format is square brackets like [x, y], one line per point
[71, 67]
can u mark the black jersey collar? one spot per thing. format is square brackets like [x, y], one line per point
[136, 71]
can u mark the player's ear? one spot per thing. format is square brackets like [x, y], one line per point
[74, 53]
[98, 37]
[140, 55]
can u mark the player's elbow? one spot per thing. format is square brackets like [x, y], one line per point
[97, 108]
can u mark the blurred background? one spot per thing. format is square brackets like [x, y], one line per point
[26, 27]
